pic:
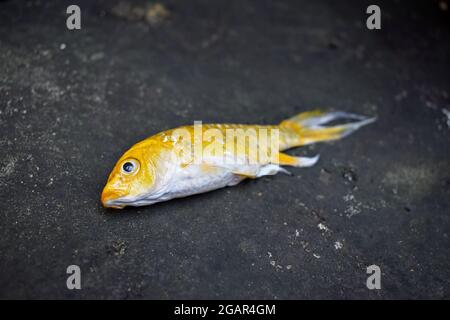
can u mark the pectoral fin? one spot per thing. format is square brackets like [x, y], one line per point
[287, 160]
[259, 171]
[250, 174]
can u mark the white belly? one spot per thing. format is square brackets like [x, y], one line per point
[193, 180]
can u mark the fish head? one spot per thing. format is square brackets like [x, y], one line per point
[131, 179]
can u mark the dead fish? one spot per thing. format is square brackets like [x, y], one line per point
[199, 158]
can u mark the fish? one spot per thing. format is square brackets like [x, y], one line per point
[199, 158]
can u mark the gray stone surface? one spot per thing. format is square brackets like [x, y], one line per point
[72, 101]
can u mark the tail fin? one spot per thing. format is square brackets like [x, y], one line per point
[308, 127]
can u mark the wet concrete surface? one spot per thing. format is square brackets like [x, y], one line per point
[72, 101]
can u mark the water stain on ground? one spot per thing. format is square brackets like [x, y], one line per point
[416, 182]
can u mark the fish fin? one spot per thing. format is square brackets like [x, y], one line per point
[245, 174]
[260, 171]
[271, 169]
[309, 127]
[287, 160]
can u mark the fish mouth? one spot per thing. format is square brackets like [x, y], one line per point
[112, 199]
[117, 198]
[113, 206]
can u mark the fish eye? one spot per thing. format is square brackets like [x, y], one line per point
[130, 166]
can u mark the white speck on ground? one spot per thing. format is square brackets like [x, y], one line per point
[348, 197]
[352, 211]
[315, 255]
[338, 245]
[323, 227]
[354, 207]
[447, 114]
[273, 262]
[8, 168]
[97, 56]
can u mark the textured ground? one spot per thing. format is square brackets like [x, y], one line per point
[72, 101]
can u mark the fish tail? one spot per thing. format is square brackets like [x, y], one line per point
[310, 127]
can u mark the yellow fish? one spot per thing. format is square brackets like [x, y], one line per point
[199, 158]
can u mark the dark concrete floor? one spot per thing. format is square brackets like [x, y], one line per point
[72, 101]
